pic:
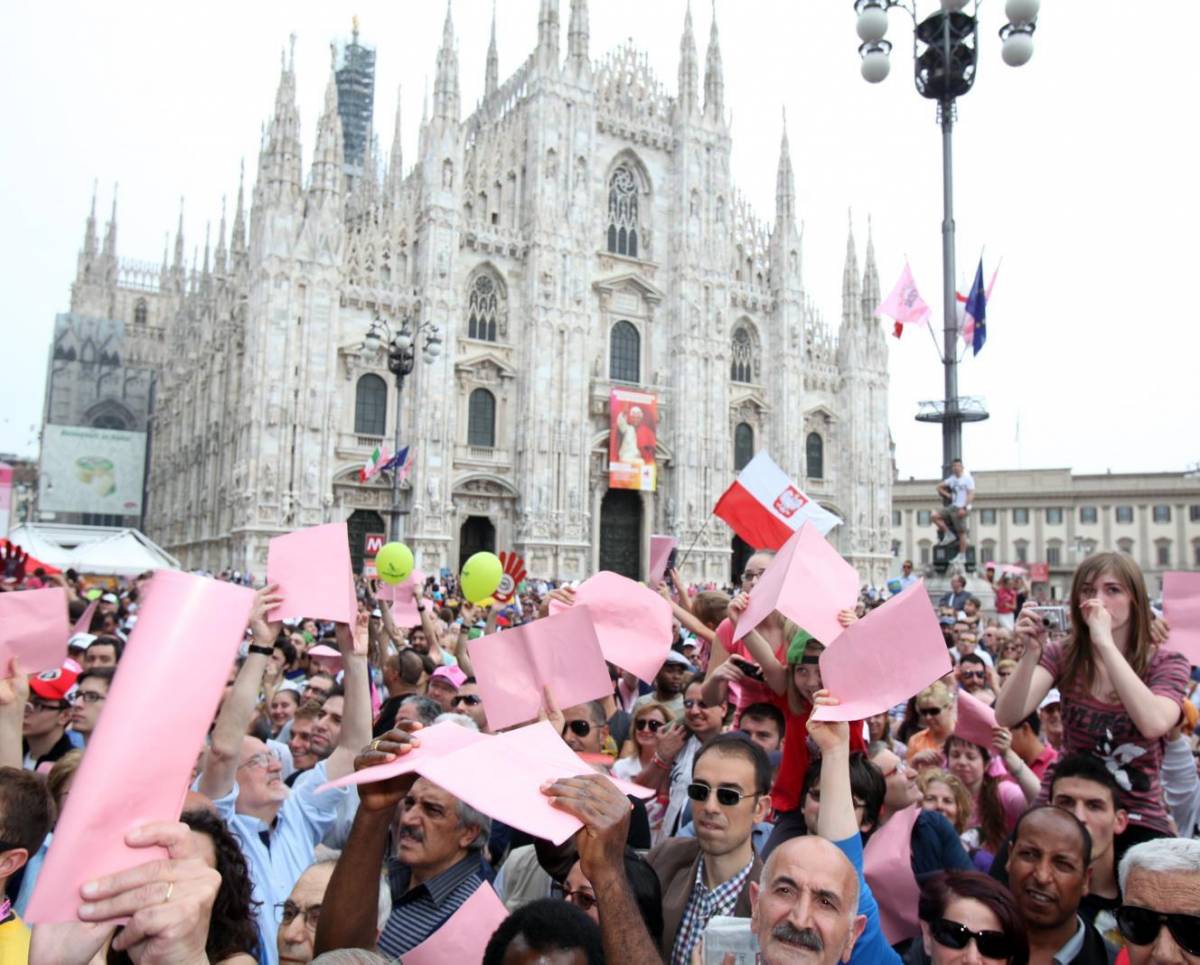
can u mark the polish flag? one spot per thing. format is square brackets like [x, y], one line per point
[764, 507]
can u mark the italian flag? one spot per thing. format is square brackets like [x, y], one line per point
[374, 461]
[765, 508]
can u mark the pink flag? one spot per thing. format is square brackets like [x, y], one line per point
[904, 304]
[660, 553]
[1181, 607]
[437, 740]
[465, 935]
[559, 651]
[966, 322]
[893, 652]
[312, 568]
[974, 720]
[633, 624]
[139, 761]
[887, 866]
[34, 629]
[808, 582]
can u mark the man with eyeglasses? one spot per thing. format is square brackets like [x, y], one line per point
[710, 874]
[318, 687]
[469, 701]
[91, 692]
[1160, 918]
[298, 916]
[47, 713]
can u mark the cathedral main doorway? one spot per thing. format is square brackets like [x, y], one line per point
[621, 533]
[477, 535]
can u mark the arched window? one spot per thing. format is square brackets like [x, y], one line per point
[625, 351]
[623, 212]
[481, 419]
[109, 421]
[743, 446]
[370, 406]
[485, 307]
[814, 456]
[140, 312]
[743, 356]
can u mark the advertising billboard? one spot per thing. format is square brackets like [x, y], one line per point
[633, 418]
[89, 470]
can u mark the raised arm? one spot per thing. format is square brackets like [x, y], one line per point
[1029, 683]
[356, 717]
[836, 821]
[220, 764]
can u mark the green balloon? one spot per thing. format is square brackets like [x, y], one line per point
[394, 562]
[481, 576]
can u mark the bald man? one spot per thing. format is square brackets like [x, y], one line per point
[805, 904]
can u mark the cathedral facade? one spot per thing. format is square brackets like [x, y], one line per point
[579, 231]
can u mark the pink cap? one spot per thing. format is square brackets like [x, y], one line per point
[452, 676]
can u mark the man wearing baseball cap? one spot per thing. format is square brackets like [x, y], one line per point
[444, 684]
[47, 714]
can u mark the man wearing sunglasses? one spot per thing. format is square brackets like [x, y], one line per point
[584, 728]
[1160, 919]
[469, 701]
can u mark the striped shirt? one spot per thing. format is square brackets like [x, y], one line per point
[702, 906]
[420, 911]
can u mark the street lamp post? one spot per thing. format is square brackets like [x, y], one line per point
[401, 347]
[945, 55]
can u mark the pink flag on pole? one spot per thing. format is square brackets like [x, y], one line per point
[34, 629]
[808, 582]
[1181, 607]
[312, 568]
[465, 936]
[139, 761]
[887, 866]
[559, 651]
[905, 304]
[966, 321]
[893, 652]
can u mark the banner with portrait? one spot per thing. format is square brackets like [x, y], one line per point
[633, 424]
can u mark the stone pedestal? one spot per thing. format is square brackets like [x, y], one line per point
[977, 586]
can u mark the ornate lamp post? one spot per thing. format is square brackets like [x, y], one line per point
[945, 53]
[401, 347]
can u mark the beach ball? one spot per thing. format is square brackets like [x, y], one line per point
[394, 562]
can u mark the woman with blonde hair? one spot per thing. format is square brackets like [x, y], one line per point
[1121, 692]
[941, 791]
[935, 705]
[647, 722]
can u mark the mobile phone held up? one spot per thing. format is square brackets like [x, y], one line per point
[751, 670]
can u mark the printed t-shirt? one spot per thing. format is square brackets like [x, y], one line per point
[1105, 730]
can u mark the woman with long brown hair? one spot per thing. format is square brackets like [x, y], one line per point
[1121, 693]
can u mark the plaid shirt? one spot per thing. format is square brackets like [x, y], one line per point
[702, 906]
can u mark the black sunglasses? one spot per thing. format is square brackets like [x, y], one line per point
[725, 795]
[580, 728]
[690, 703]
[653, 725]
[991, 944]
[1140, 926]
[469, 699]
[930, 711]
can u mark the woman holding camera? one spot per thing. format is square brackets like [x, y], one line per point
[1121, 692]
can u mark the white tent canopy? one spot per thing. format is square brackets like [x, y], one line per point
[109, 552]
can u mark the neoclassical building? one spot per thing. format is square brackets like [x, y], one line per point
[579, 230]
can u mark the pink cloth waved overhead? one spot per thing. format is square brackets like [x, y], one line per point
[808, 582]
[633, 624]
[34, 629]
[887, 866]
[437, 740]
[312, 568]
[1181, 607]
[558, 651]
[465, 936]
[893, 652]
[140, 758]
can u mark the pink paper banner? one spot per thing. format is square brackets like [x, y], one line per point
[559, 651]
[34, 629]
[887, 866]
[1181, 607]
[660, 552]
[312, 568]
[893, 652]
[633, 624]
[403, 600]
[808, 582]
[437, 740]
[85, 621]
[140, 758]
[974, 720]
[465, 935]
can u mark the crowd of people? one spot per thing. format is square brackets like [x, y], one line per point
[1065, 833]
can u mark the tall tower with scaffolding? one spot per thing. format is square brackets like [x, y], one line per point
[355, 98]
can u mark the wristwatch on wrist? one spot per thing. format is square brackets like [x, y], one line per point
[265, 651]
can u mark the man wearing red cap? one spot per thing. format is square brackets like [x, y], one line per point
[47, 714]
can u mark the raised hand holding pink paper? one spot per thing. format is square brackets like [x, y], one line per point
[808, 582]
[34, 629]
[893, 652]
[437, 740]
[974, 720]
[1181, 607]
[312, 569]
[559, 651]
[464, 937]
[633, 624]
[133, 773]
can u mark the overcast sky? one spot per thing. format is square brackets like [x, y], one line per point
[1077, 169]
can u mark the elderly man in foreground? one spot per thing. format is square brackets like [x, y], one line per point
[1160, 917]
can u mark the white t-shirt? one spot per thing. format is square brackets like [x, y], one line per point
[959, 486]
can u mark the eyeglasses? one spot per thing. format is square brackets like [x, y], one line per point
[88, 697]
[930, 711]
[288, 910]
[470, 700]
[991, 944]
[726, 796]
[690, 703]
[749, 576]
[34, 704]
[650, 725]
[900, 768]
[262, 759]
[1140, 926]
[580, 728]
[583, 900]
[972, 673]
